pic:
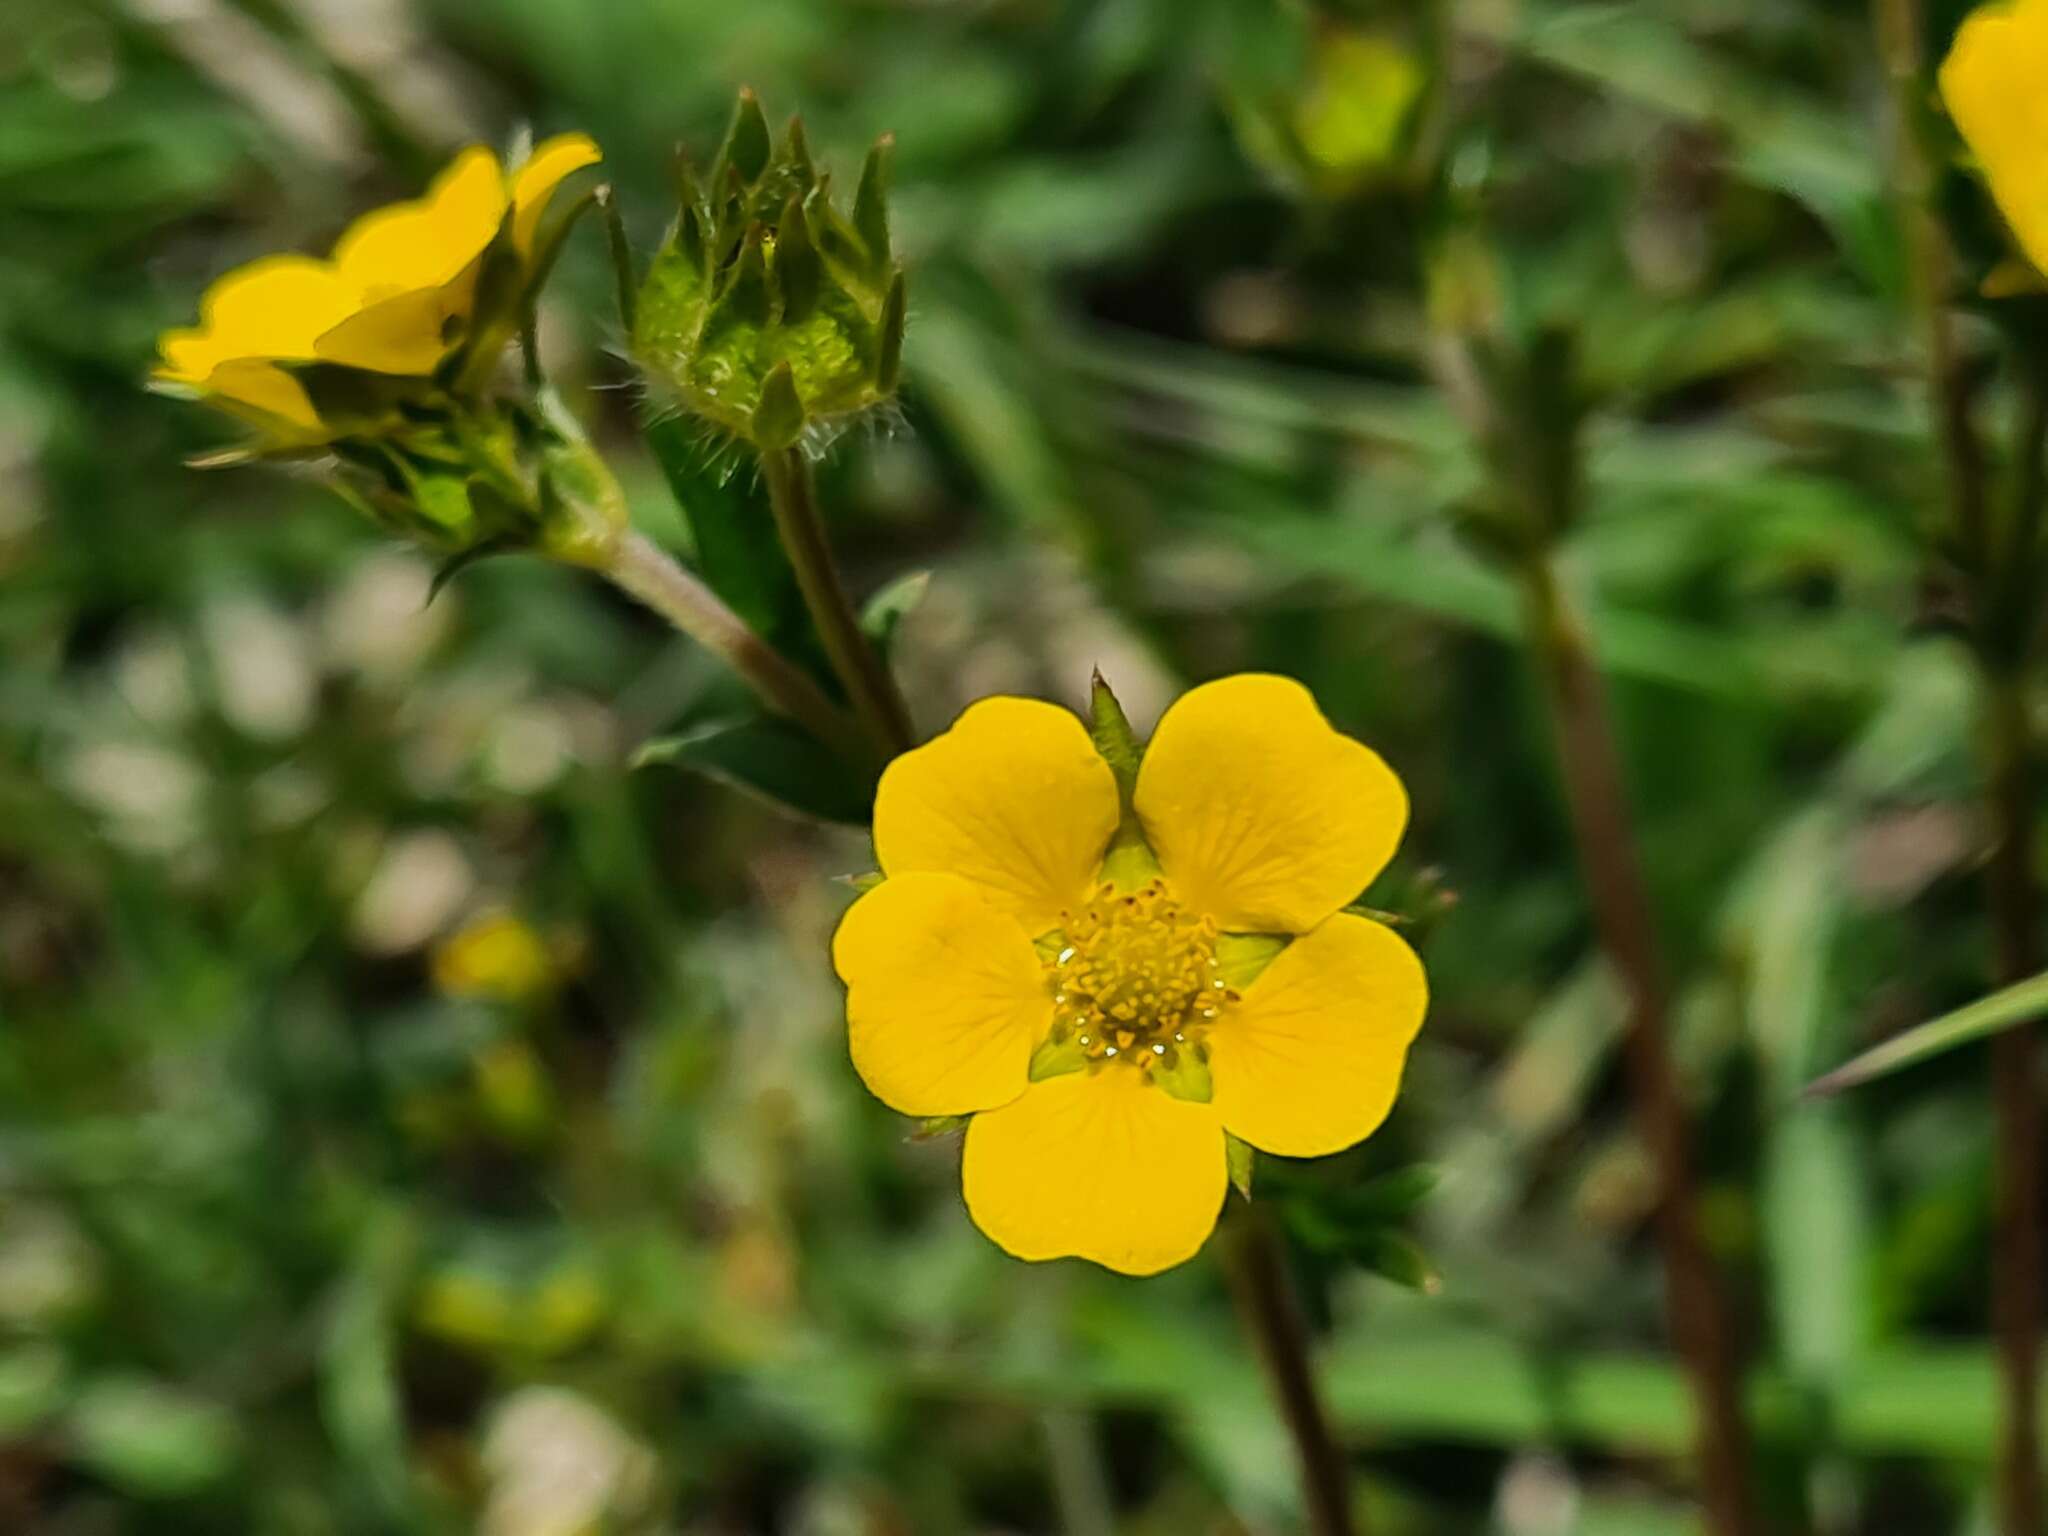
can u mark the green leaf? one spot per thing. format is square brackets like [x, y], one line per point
[152, 1440]
[887, 608]
[1397, 1257]
[736, 551]
[2020, 1003]
[1392, 1196]
[773, 760]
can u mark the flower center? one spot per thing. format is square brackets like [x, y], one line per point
[1136, 979]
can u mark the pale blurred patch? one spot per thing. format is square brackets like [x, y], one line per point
[262, 668]
[379, 623]
[560, 1466]
[150, 796]
[421, 881]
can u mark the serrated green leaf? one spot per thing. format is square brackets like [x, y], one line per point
[772, 760]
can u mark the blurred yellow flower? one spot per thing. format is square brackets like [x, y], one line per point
[1995, 83]
[1108, 988]
[398, 295]
[493, 956]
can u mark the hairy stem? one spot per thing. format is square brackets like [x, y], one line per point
[1257, 1266]
[876, 703]
[1702, 1329]
[642, 569]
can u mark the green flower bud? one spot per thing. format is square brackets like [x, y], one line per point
[488, 479]
[769, 313]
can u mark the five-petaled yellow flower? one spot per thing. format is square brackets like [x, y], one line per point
[397, 297]
[1995, 83]
[1107, 992]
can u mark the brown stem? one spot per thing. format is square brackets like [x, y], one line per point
[2016, 1275]
[876, 702]
[1988, 561]
[1701, 1327]
[642, 569]
[1257, 1267]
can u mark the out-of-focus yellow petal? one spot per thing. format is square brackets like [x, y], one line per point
[408, 333]
[1100, 1166]
[534, 183]
[277, 400]
[1995, 82]
[945, 997]
[1262, 815]
[431, 240]
[273, 308]
[1309, 1062]
[1014, 798]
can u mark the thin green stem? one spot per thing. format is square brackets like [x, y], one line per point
[642, 569]
[876, 703]
[1256, 1263]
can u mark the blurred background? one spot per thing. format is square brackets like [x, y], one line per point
[414, 1120]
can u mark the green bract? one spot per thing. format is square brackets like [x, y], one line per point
[768, 313]
[496, 477]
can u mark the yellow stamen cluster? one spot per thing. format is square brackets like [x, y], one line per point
[1135, 978]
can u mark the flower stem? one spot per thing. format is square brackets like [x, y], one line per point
[876, 703]
[2016, 1275]
[1701, 1327]
[1999, 567]
[642, 569]
[1256, 1264]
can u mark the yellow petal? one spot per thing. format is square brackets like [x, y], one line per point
[268, 395]
[430, 241]
[1310, 1061]
[406, 334]
[535, 182]
[1262, 815]
[945, 997]
[1014, 798]
[1099, 1166]
[273, 308]
[1995, 82]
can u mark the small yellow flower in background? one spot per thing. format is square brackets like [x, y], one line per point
[1995, 84]
[1109, 978]
[494, 956]
[399, 295]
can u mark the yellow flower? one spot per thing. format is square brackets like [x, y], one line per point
[1995, 82]
[494, 956]
[1108, 994]
[397, 297]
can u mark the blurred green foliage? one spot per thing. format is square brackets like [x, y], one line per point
[297, 1239]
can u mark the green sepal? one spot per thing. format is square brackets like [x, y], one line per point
[772, 760]
[871, 206]
[1183, 1073]
[889, 337]
[1056, 1058]
[863, 883]
[1240, 1157]
[934, 1127]
[1110, 729]
[778, 421]
[748, 144]
[1240, 957]
[799, 273]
